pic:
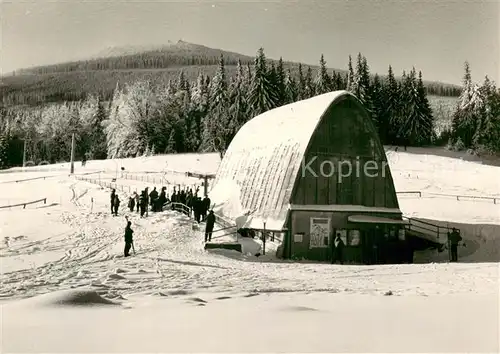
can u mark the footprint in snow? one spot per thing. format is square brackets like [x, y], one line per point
[223, 298]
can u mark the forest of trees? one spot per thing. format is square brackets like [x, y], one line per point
[204, 114]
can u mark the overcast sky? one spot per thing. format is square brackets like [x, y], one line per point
[435, 37]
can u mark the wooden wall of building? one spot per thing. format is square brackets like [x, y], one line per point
[345, 135]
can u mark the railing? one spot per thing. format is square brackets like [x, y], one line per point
[427, 228]
[44, 200]
[180, 207]
[411, 192]
[457, 196]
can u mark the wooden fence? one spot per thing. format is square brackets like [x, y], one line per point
[44, 200]
[454, 196]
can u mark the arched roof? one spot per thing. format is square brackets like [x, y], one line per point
[259, 169]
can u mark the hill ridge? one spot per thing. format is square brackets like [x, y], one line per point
[74, 80]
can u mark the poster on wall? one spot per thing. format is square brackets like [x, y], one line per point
[320, 232]
[354, 237]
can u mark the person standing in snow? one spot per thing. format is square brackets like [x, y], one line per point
[153, 196]
[143, 203]
[209, 227]
[454, 238]
[116, 205]
[146, 195]
[205, 206]
[128, 239]
[338, 251]
[131, 203]
[112, 201]
[137, 201]
[162, 199]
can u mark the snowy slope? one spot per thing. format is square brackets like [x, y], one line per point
[73, 243]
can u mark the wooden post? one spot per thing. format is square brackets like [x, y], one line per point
[72, 168]
[264, 240]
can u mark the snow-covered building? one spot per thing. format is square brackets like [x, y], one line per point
[311, 170]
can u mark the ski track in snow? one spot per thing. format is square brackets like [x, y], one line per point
[170, 257]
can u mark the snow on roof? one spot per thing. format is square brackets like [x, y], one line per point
[257, 174]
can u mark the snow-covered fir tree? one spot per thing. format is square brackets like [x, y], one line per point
[280, 83]
[322, 82]
[350, 76]
[262, 95]
[238, 109]
[310, 88]
[291, 88]
[218, 120]
[301, 87]
[467, 116]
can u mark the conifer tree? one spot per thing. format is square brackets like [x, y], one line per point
[309, 81]
[98, 149]
[272, 77]
[199, 109]
[389, 119]
[487, 136]
[291, 88]
[467, 114]
[425, 115]
[262, 95]
[219, 117]
[301, 92]
[350, 76]
[377, 100]
[280, 83]
[4, 147]
[238, 104]
[322, 81]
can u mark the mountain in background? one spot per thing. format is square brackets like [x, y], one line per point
[72, 81]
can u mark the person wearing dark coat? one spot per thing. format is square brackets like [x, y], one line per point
[136, 200]
[197, 209]
[162, 199]
[131, 203]
[116, 205]
[205, 205]
[112, 201]
[128, 239]
[209, 227]
[153, 199]
[338, 250]
[454, 238]
[143, 203]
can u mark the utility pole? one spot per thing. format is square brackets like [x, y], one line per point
[72, 168]
[24, 153]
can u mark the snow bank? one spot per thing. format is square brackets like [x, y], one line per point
[70, 298]
[285, 322]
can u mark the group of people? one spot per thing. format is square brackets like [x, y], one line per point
[195, 203]
[140, 203]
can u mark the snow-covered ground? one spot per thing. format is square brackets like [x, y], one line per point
[70, 250]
